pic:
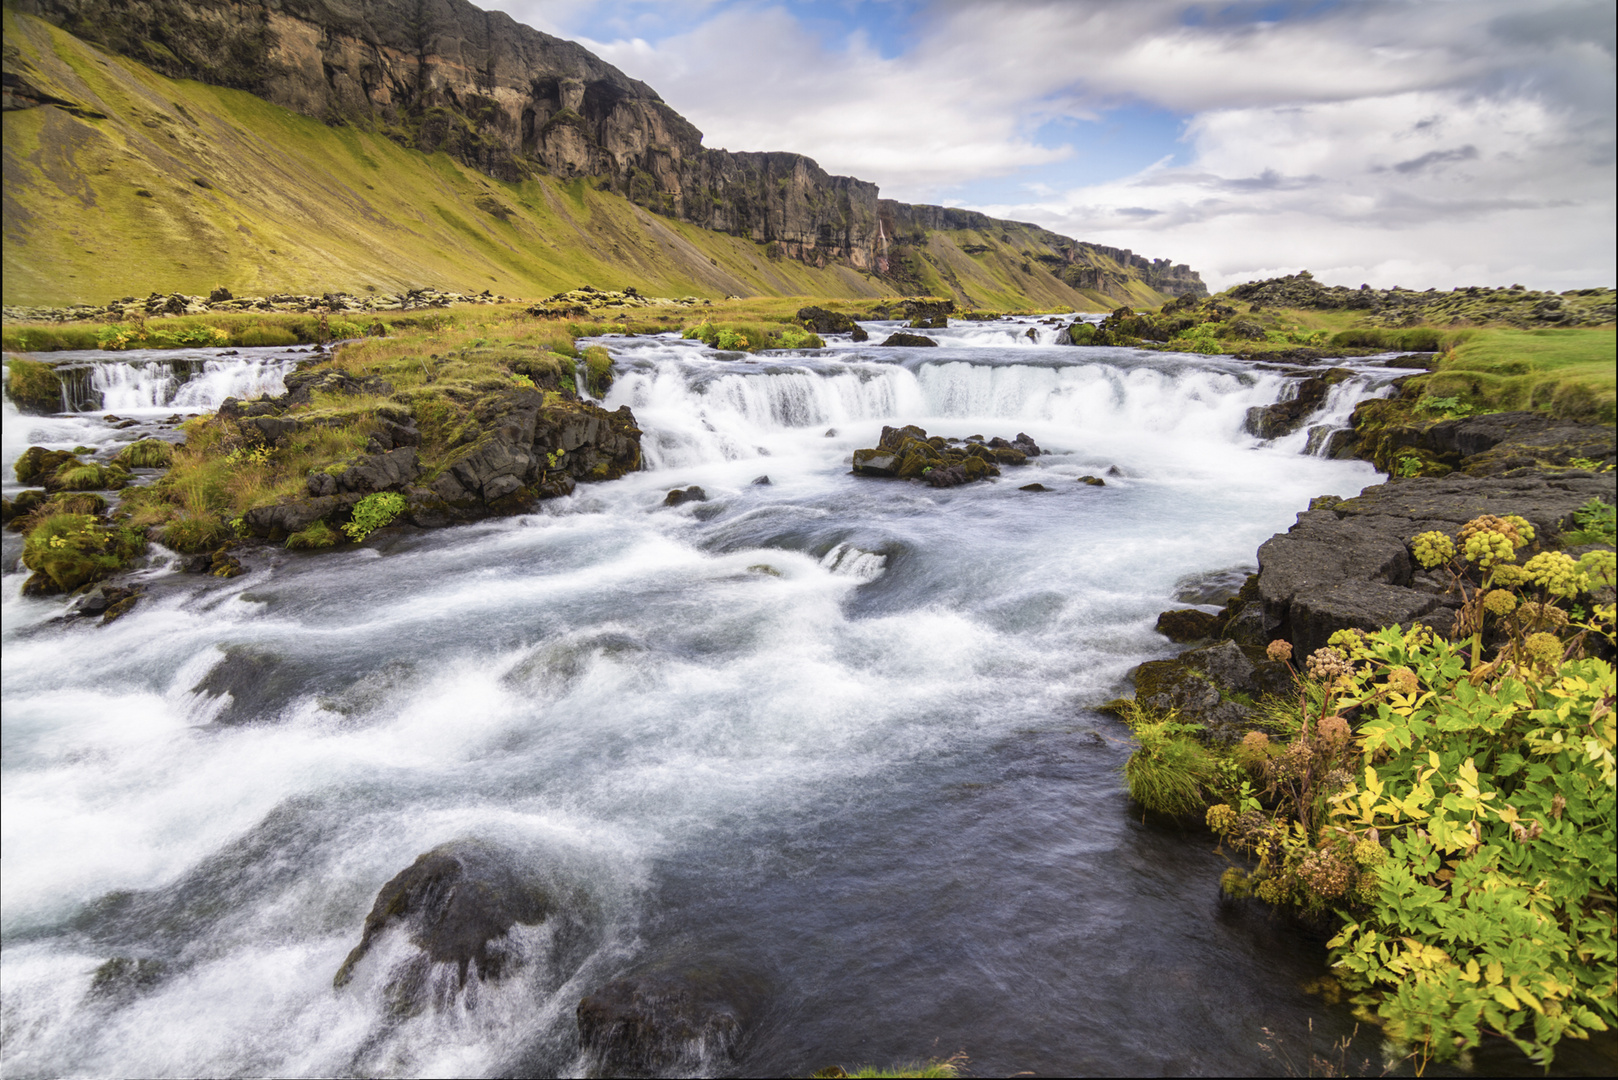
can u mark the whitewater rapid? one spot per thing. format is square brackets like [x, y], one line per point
[835, 730]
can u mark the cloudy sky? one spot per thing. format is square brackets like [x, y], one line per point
[1396, 142]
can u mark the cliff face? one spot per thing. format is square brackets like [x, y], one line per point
[511, 101]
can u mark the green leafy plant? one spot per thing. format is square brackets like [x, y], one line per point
[373, 512]
[1463, 832]
[523, 381]
[1597, 523]
[1408, 466]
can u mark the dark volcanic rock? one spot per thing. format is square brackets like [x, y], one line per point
[1350, 565]
[677, 1018]
[1490, 445]
[1187, 624]
[283, 519]
[909, 340]
[822, 321]
[1284, 417]
[456, 902]
[679, 496]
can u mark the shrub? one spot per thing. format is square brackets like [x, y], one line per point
[146, 454]
[1464, 834]
[373, 512]
[193, 533]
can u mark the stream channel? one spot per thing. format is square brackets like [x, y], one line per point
[836, 733]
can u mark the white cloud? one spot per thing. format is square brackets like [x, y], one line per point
[1426, 141]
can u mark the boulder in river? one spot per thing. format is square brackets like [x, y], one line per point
[456, 905]
[680, 496]
[909, 340]
[675, 1017]
[1187, 624]
[909, 453]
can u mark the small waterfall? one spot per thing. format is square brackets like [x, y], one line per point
[151, 380]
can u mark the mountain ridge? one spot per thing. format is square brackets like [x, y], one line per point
[519, 106]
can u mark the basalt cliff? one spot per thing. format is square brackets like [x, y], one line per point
[515, 105]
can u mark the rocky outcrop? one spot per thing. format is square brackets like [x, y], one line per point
[909, 341]
[1349, 566]
[679, 1018]
[1498, 444]
[157, 305]
[1408, 307]
[510, 101]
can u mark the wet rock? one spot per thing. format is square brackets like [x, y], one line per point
[123, 977]
[876, 462]
[1093, 481]
[1285, 417]
[678, 1018]
[456, 904]
[283, 519]
[760, 481]
[1033, 487]
[908, 340]
[225, 565]
[680, 496]
[858, 333]
[258, 683]
[1187, 624]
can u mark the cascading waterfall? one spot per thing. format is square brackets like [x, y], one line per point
[838, 734]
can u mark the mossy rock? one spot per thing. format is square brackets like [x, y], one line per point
[73, 550]
[1187, 624]
[146, 454]
[36, 464]
[33, 387]
[88, 476]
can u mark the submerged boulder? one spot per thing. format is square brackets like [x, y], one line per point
[675, 1017]
[680, 496]
[455, 904]
[901, 338]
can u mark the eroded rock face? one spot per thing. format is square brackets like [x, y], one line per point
[670, 1018]
[456, 904]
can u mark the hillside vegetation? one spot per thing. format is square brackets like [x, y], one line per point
[134, 182]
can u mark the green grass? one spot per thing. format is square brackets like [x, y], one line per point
[1564, 372]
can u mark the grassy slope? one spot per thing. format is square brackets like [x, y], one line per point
[293, 205]
[288, 204]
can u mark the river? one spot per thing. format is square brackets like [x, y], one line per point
[837, 732]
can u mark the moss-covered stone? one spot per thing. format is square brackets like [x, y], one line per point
[72, 550]
[32, 386]
[36, 465]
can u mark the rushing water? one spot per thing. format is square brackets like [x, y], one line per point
[836, 731]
